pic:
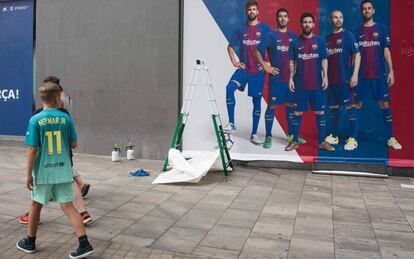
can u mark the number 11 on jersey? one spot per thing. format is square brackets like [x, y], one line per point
[49, 135]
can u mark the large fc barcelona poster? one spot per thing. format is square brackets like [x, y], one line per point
[16, 66]
[365, 117]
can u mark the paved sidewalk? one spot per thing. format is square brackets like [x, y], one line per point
[254, 213]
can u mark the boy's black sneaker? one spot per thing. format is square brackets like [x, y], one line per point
[25, 246]
[82, 253]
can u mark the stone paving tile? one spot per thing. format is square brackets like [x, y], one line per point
[285, 196]
[132, 210]
[239, 217]
[4, 219]
[277, 209]
[400, 193]
[316, 208]
[13, 209]
[212, 252]
[359, 231]
[185, 233]
[247, 204]
[351, 216]
[410, 217]
[356, 244]
[236, 181]
[273, 228]
[107, 227]
[405, 204]
[226, 190]
[397, 237]
[388, 219]
[110, 201]
[320, 223]
[306, 247]
[171, 210]
[214, 203]
[226, 237]
[393, 250]
[188, 196]
[200, 219]
[153, 197]
[139, 186]
[171, 188]
[348, 202]
[265, 248]
[120, 181]
[133, 240]
[391, 226]
[61, 228]
[149, 227]
[253, 189]
[253, 213]
[127, 190]
[171, 243]
[352, 254]
[203, 186]
[9, 186]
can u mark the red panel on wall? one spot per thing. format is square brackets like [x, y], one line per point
[402, 37]
[267, 14]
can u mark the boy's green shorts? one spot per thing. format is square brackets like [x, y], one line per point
[62, 193]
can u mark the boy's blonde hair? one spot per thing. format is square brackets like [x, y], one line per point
[49, 91]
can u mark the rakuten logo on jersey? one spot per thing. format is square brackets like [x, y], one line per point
[367, 44]
[251, 42]
[282, 48]
[308, 56]
[335, 51]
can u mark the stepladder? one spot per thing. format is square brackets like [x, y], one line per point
[200, 76]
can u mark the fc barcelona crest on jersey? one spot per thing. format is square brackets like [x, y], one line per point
[375, 35]
[338, 41]
[258, 34]
[315, 46]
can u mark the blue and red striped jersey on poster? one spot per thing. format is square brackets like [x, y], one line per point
[277, 43]
[341, 46]
[308, 54]
[372, 41]
[244, 40]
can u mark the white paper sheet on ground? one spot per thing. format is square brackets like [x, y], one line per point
[195, 156]
[187, 171]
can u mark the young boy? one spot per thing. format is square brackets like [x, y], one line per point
[80, 188]
[50, 136]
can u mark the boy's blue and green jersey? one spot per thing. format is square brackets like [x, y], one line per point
[51, 132]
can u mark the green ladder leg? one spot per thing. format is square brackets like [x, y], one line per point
[176, 138]
[221, 140]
